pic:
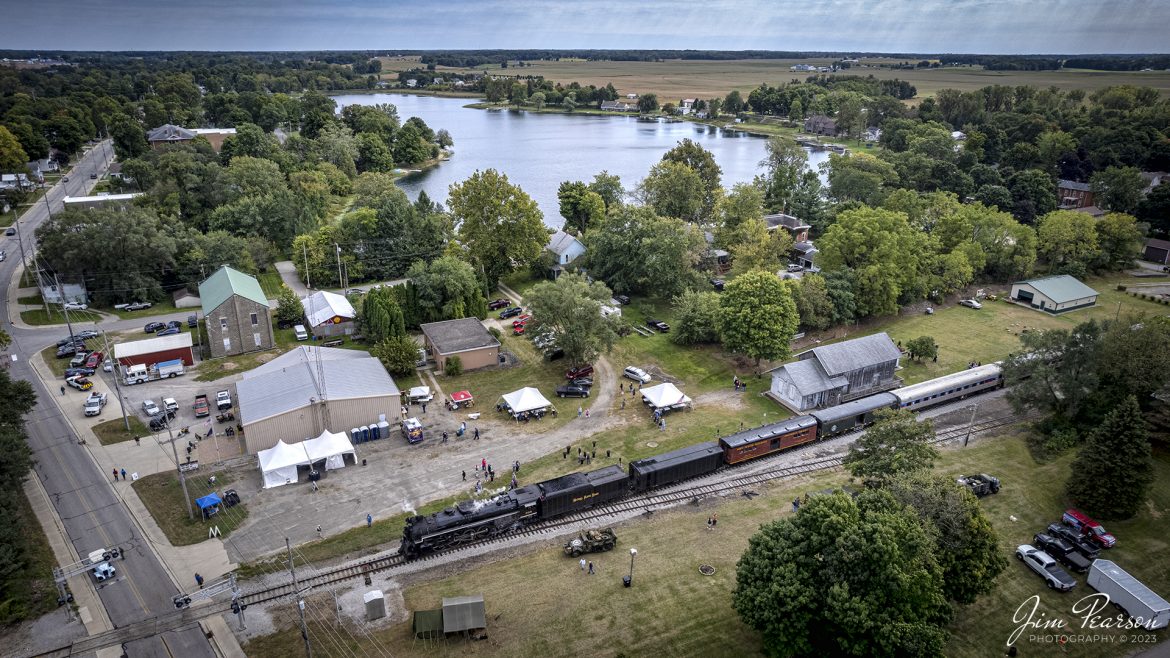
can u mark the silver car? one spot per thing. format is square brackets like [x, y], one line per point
[150, 408]
[1046, 567]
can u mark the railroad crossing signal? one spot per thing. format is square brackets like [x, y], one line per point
[208, 591]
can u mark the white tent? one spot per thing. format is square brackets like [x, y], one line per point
[331, 447]
[526, 399]
[279, 463]
[665, 396]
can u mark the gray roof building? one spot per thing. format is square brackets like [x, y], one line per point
[1055, 294]
[1072, 185]
[169, 133]
[466, 338]
[832, 374]
[850, 355]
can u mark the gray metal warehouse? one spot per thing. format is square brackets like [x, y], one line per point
[302, 393]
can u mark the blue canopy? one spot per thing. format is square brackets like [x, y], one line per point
[210, 500]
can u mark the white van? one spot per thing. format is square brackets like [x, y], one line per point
[301, 333]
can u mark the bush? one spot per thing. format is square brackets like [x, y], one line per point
[495, 332]
[454, 366]
[1121, 287]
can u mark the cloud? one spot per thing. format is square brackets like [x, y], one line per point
[983, 26]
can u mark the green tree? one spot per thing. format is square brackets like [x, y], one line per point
[674, 190]
[500, 225]
[381, 316]
[896, 443]
[742, 203]
[1155, 208]
[922, 347]
[1118, 189]
[1120, 241]
[446, 289]
[860, 177]
[965, 543]
[733, 103]
[128, 136]
[844, 577]
[696, 318]
[609, 188]
[537, 99]
[1033, 194]
[813, 302]
[288, 307]
[688, 152]
[754, 247]
[647, 103]
[12, 155]
[1062, 381]
[570, 308]
[250, 140]
[398, 354]
[373, 154]
[1112, 474]
[580, 206]
[410, 147]
[808, 202]
[1066, 238]
[758, 316]
[636, 251]
[783, 166]
[1123, 354]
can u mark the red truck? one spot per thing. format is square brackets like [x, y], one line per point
[1087, 527]
[202, 408]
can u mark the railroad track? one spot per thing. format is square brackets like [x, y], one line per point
[393, 562]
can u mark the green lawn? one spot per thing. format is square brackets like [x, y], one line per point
[163, 497]
[38, 318]
[270, 283]
[30, 299]
[161, 308]
[114, 430]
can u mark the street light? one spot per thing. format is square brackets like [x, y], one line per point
[629, 580]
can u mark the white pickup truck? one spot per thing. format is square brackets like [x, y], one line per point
[223, 400]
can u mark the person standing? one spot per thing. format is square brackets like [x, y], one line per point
[123, 475]
[115, 475]
[591, 572]
[424, 407]
[483, 463]
[369, 520]
[582, 564]
[199, 580]
[62, 390]
[465, 476]
[714, 520]
[477, 434]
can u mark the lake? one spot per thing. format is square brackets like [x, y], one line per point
[540, 151]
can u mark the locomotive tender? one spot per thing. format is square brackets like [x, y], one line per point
[473, 520]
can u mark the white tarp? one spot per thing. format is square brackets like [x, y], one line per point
[279, 463]
[664, 396]
[331, 447]
[420, 393]
[526, 399]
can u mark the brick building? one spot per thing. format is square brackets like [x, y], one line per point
[236, 312]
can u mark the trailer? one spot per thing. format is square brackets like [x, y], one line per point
[1147, 609]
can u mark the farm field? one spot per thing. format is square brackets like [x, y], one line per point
[541, 604]
[675, 79]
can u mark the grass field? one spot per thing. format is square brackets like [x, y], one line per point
[270, 283]
[114, 430]
[29, 592]
[672, 80]
[541, 603]
[163, 496]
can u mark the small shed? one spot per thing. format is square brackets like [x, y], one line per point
[463, 613]
[1157, 251]
[466, 338]
[155, 350]
[329, 314]
[1054, 294]
[428, 624]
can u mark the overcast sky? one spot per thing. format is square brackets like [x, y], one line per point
[957, 26]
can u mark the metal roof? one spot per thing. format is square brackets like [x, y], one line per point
[1060, 288]
[559, 243]
[462, 335]
[297, 385]
[855, 408]
[169, 133]
[809, 377]
[1133, 586]
[321, 307]
[304, 354]
[225, 282]
[463, 613]
[1072, 185]
[152, 345]
[787, 221]
[850, 355]
[769, 431]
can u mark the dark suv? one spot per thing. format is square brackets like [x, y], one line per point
[579, 372]
[498, 304]
[510, 312]
[1062, 551]
[1079, 543]
[657, 324]
[572, 391]
[152, 327]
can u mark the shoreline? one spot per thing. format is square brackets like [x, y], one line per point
[405, 92]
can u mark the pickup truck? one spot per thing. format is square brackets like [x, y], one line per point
[94, 403]
[99, 563]
[223, 400]
[201, 406]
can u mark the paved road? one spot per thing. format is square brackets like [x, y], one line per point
[91, 512]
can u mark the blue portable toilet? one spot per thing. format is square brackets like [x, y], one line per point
[365, 432]
[356, 435]
[384, 429]
[374, 433]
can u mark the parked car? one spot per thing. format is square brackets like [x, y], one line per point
[637, 374]
[10, 231]
[152, 327]
[579, 372]
[795, 267]
[85, 334]
[355, 291]
[970, 303]
[497, 304]
[74, 306]
[3, 255]
[1082, 523]
[93, 176]
[175, 324]
[79, 383]
[192, 321]
[169, 331]
[108, 366]
[64, 179]
[510, 312]
[657, 324]
[93, 360]
[79, 358]
[1062, 551]
[583, 382]
[571, 391]
[554, 354]
[94, 403]
[621, 299]
[78, 372]
[138, 306]
[1078, 542]
[542, 341]
[69, 350]
[718, 284]
[523, 319]
[158, 422]
[150, 408]
[74, 340]
[1046, 567]
[518, 329]
[171, 405]
[300, 332]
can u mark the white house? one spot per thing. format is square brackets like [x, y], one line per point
[566, 248]
[1054, 294]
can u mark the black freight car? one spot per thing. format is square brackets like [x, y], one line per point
[688, 462]
[578, 491]
[766, 439]
[858, 413]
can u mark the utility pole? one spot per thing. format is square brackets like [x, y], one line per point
[20, 240]
[64, 304]
[970, 424]
[49, 206]
[117, 390]
[305, 250]
[300, 602]
[179, 465]
[339, 281]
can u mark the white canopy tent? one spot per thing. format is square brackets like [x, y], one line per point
[278, 464]
[526, 399]
[331, 447]
[665, 396]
